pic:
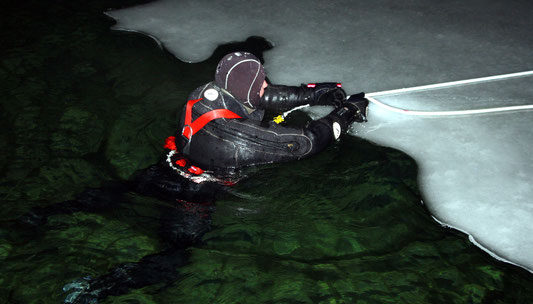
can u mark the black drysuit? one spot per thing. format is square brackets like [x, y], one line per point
[221, 144]
[233, 143]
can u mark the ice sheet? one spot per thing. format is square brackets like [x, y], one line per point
[475, 171]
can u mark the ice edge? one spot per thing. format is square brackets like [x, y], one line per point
[473, 240]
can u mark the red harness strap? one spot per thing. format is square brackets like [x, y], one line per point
[190, 128]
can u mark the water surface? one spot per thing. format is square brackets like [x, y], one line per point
[83, 106]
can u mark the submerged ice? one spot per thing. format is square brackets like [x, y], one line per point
[474, 170]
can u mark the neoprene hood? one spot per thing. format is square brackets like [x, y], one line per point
[242, 75]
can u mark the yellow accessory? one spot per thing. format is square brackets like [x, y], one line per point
[278, 119]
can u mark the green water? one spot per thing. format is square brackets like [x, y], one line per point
[82, 105]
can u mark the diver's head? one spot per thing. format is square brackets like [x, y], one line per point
[241, 74]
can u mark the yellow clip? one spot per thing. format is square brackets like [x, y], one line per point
[278, 119]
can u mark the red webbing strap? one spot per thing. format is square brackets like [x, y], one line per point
[190, 128]
[188, 110]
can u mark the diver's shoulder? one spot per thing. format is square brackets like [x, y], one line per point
[199, 91]
[210, 91]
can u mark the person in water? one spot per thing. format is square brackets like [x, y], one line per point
[221, 129]
[222, 126]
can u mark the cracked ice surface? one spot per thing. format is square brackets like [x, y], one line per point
[475, 172]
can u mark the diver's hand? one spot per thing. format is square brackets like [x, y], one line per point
[327, 93]
[352, 110]
[359, 105]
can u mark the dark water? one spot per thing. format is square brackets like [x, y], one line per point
[82, 105]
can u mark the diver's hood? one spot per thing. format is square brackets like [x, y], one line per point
[241, 74]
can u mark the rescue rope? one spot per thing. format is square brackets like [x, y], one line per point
[370, 97]
[449, 113]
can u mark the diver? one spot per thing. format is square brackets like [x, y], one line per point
[222, 126]
[221, 130]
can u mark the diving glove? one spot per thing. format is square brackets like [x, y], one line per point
[352, 110]
[326, 93]
[359, 104]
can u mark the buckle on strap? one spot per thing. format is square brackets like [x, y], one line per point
[188, 138]
[190, 127]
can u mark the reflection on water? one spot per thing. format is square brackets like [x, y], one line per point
[82, 105]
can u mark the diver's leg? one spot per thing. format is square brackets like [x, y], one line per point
[163, 182]
[161, 267]
[90, 200]
[182, 226]
[189, 217]
[157, 181]
[185, 224]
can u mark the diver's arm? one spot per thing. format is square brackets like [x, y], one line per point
[325, 130]
[283, 98]
[274, 143]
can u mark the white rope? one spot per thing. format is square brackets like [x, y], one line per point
[450, 84]
[449, 113]
[370, 97]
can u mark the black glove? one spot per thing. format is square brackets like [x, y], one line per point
[326, 93]
[359, 103]
[325, 130]
[353, 109]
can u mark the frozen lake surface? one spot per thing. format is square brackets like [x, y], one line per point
[474, 171]
[84, 107]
